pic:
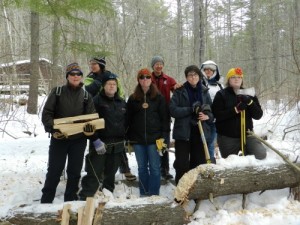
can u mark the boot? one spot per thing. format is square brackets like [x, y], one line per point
[166, 175]
[129, 176]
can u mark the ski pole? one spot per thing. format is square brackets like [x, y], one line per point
[207, 156]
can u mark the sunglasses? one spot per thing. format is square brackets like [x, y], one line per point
[142, 77]
[75, 74]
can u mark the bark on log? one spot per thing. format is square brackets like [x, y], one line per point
[166, 213]
[208, 179]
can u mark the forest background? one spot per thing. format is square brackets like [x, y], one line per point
[260, 36]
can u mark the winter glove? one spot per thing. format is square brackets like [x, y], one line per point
[161, 146]
[197, 107]
[245, 99]
[59, 135]
[99, 147]
[241, 106]
[128, 147]
[89, 129]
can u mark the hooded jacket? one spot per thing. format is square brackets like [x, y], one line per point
[213, 83]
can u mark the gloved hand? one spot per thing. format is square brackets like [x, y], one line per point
[246, 99]
[89, 129]
[58, 135]
[197, 107]
[161, 146]
[99, 147]
[241, 106]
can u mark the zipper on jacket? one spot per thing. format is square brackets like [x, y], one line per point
[145, 106]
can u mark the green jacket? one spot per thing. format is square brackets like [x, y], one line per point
[93, 84]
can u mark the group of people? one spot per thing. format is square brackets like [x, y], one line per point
[144, 122]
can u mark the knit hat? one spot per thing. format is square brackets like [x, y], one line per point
[73, 67]
[156, 59]
[234, 71]
[100, 60]
[108, 76]
[144, 72]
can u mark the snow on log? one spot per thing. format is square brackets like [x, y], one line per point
[138, 211]
[214, 180]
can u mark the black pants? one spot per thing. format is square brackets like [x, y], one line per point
[99, 168]
[188, 154]
[164, 165]
[124, 165]
[59, 151]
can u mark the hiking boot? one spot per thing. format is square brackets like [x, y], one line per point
[129, 176]
[166, 175]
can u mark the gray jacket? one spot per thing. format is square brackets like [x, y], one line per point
[181, 110]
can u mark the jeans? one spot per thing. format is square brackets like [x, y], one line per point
[148, 161]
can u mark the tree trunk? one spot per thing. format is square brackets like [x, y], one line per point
[34, 64]
[179, 39]
[55, 76]
[166, 213]
[208, 179]
[254, 79]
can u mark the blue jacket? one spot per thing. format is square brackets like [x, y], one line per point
[181, 110]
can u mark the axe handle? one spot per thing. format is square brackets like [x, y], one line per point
[207, 157]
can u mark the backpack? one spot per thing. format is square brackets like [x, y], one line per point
[85, 98]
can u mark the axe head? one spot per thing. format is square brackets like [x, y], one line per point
[246, 91]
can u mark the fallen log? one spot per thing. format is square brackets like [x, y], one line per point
[210, 180]
[153, 210]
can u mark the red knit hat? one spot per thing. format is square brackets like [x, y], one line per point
[144, 72]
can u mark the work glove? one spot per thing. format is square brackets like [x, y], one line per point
[58, 135]
[241, 106]
[246, 99]
[161, 146]
[197, 108]
[89, 129]
[128, 147]
[99, 147]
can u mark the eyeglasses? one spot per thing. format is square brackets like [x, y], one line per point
[74, 74]
[143, 77]
[193, 74]
[236, 77]
[208, 69]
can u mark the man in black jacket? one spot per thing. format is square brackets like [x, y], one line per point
[69, 101]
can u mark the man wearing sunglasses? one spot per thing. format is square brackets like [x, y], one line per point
[70, 101]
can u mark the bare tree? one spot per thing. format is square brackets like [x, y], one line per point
[34, 63]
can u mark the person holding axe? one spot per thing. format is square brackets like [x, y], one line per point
[234, 108]
[190, 106]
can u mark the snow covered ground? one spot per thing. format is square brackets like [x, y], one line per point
[23, 165]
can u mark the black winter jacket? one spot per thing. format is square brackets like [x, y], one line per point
[113, 110]
[69, 103]
[181, 110]
[228, 122]
[146, 125]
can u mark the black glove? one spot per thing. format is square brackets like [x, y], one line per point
[245, 99]
[241, 106]
[197, 107]
[89, 129]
